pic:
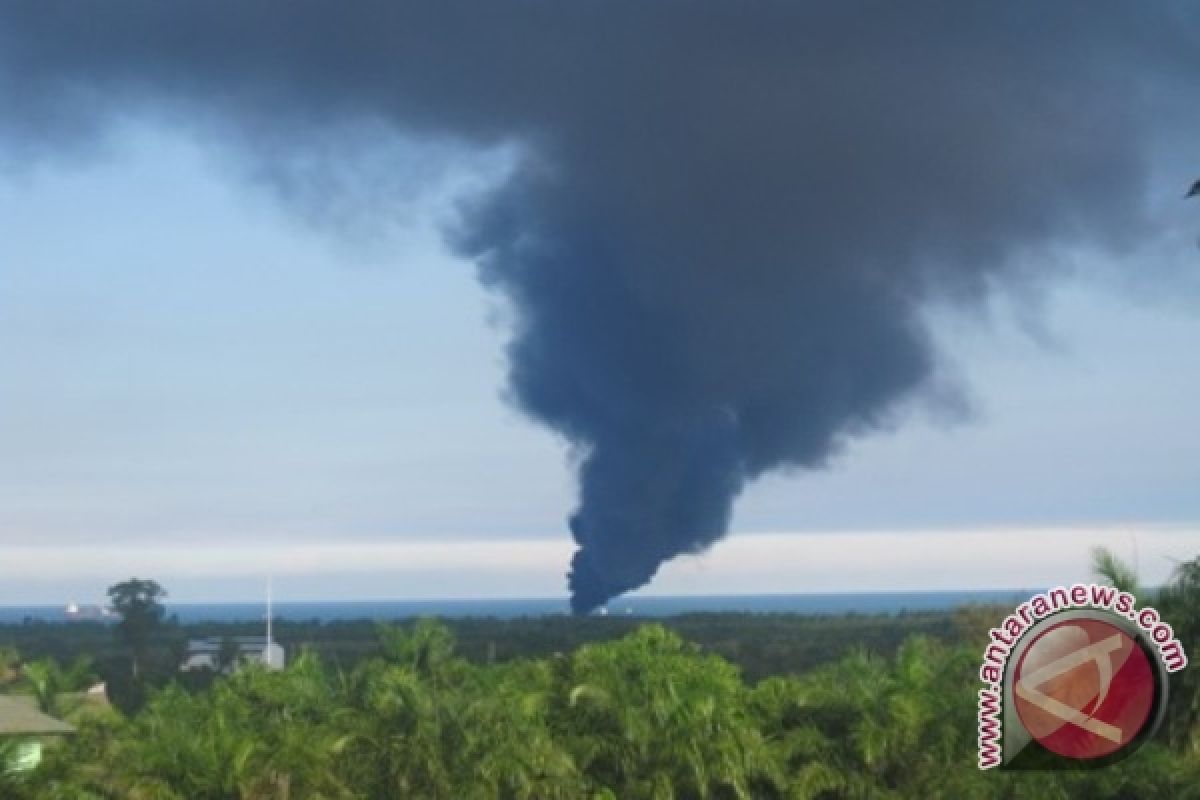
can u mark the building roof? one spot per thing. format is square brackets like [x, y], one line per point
[20, 717]
[215, 643]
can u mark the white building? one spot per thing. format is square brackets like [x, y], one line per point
[207, 653]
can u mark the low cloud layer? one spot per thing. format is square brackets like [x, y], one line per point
[724, 221]
[749, 564]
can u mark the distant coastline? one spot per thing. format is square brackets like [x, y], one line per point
[508, 608]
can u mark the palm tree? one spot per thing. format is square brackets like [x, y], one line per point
[649, 716]
[403, 715]
[507, 746]
[1118, 573]
[257, 736]
[1179, 602]
[48, 682]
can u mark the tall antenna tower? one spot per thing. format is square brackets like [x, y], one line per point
[268, 648]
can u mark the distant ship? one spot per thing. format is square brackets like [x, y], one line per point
[74, 611]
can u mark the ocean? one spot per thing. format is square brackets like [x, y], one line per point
[509, 608]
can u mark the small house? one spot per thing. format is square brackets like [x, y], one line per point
[21, 722]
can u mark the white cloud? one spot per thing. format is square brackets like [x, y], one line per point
[1025, 557]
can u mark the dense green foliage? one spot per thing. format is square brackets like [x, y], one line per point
[51, 684]
[645, 716]
[760, 644]
[1180, 603]
[631, 711]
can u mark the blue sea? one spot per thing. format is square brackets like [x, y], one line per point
[510, 608]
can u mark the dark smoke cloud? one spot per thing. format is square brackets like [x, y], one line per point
[727, 216]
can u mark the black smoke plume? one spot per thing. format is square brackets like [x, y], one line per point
[727, 216]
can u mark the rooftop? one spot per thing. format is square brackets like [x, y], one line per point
[20, 717]
[215, 643]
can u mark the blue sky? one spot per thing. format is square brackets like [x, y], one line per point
[203, 383]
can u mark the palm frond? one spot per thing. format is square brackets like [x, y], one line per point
[1118, 573]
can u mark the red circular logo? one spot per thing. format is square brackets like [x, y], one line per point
[1084, 688]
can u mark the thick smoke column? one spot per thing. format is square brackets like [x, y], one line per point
[727, 217]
